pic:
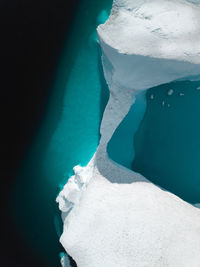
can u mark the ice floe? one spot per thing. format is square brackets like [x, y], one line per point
[112, 216]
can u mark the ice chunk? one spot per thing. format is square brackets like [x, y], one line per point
[152, 96]
[117, 217]
[170, 92]
[148, 43]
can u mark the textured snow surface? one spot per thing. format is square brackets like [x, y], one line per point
[113, 216]
[161, 29]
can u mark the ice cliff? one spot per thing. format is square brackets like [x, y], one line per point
[111, 215]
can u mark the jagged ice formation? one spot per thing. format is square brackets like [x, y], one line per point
[113, 216]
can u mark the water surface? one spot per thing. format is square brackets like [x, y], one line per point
[68, 134]
[159, 138]
[167, 143]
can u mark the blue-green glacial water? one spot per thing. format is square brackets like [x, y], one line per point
[166, 146]
[121, 146]
[68, 134]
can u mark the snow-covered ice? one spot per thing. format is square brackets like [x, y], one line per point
[113, 216]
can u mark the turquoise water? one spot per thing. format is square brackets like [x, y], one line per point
[121, 146]
[68, 134]
[159, 138]
[166, 143]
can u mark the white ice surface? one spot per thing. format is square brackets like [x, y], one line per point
[112, 216]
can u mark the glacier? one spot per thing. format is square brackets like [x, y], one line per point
[111, 215]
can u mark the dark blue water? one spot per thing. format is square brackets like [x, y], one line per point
[167, 143]
[68, 135]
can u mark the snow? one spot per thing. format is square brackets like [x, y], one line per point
[113, 216]
[121, 225]
[161, 29]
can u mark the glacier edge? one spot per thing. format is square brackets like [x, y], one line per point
[118, 197]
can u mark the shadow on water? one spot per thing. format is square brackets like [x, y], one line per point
[165, 127]
[167, 143]
[34, 196]
[120, 147]
[68, 134]
[104, 87]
